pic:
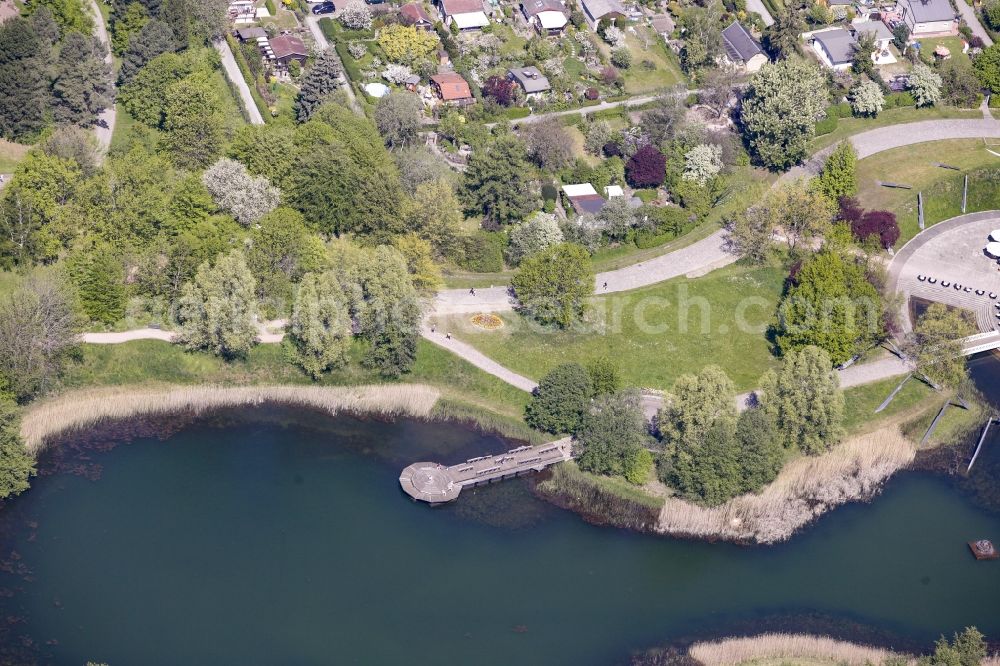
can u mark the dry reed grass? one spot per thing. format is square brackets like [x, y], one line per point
[730, 651]
[806, 488]
[85, 408]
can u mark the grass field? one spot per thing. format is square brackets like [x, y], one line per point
[908, 114]
[860, 403]
[654, 334]
[465, 387]
[942, 188]
[664, 73]
[11, 155]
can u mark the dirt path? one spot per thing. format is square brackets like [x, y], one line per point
[105, 127]
[235, 76]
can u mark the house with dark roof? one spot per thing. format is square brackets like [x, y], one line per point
[595, 10]
[464, 14]
[287, 48]
[835, 48]
[250, 34]
[532, 81]
[413, 14]
[584, 198]
[452, 89]
[663, 24]
[548, 17]
[742, 49]
[928, 18]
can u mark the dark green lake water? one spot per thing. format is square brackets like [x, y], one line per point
[279, 537]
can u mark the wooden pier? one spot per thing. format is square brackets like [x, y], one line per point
[435, 483]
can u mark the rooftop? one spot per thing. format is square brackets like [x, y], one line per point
[452, 86]
[415, 13]
[579, 190]
[535, 7]
[881, 30]
[924, 11]
[530, 79]
[839, 45]
[452, 7]
[740, 44]
[599, 8]
[287, 45]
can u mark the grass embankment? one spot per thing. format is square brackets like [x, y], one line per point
[11, 155]
[942, 188]
[654, 334]
[906, 114]
[860, 403]
[467, 393]
[787, 649]
[85, 408]
[601, 499]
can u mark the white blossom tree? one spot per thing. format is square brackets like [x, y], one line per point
[867, 98]
[925, 85]
[532, 236]
[356, 16]
[614, 36]
[702, 163]
[234, 190]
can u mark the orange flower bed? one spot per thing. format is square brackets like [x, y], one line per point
[490, 322]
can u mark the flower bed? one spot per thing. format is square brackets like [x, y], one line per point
[489, 322]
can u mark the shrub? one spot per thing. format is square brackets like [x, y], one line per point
[560, 400]
[826, 126]
[646, 168]
[482, 252]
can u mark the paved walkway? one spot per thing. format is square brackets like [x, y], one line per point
[235, 77]
[970, 18]
[323, 44]
[758, 6]
[108, 116]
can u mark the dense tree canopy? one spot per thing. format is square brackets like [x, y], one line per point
[82, 84]
[16, 465]
[804, 399]
[23, 64]
[217, 311]
[561, 399]
[496, 182]
[552, 285]
[320, 327]
[614, 437]
[935, 346]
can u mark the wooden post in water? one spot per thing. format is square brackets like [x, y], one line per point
[920, 210]
[965, 193]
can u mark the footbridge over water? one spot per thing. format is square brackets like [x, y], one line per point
[435, 483]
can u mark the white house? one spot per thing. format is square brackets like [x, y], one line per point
[466, 14]
[595, 10]
[834, 47]
[927, 18]
[547, 16]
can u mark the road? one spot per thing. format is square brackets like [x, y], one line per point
[108, 116]
[323, 44]
[970, 18]
[758, 6]
[235, 76]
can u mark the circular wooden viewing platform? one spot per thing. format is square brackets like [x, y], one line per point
[429, 482]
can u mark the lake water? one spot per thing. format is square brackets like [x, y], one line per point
[281, 537]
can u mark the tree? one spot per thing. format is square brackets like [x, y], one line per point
[22, 79]
[195, 22]
[145, 94]
[830, 305]
[82, 85]
[320, 82]
[38, 332]
[959, 82]
[497, 184]
[539, 232]
[901, 35]
[75, 145]
[782, 38]
[192, 122]
[549, 144]
[500, 89]
[605, 377]
[801, 212]
[404, 43]
[44, 23]
[863, 62]
[418, 166]
[155, 38]
[761, 454]
[235, 191]
[617, 218]
[781, 105]
[397, 116]
[598, 134]
[719, 87]
[435, 215]
[987, 66]
[695, 403]
[614, 438]
[425, 274]
[124, 25]
[217, 311]
[279, 251]
[967, 649]
[867, 98]
[935, 344]
[99, 277]
[69, 15]
[702, 163]
[560, 400]
[646, 168]
[751, 233]
[702, 28]
[924, 84]
[804, 400]
[621, 57]
[266, 151]
[320, 327]
[552, 286]
[16, 464]
[877, 223]
[356, 16]
[839, 177]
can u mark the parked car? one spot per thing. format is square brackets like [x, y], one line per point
[324, 8]
[374, 2]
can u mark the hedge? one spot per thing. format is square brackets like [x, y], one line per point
[482, 252]
[826, 126]
[842, 110]
[271, 9]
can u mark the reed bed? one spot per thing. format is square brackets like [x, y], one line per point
[806, 488]
[731, 651]
[82, 409]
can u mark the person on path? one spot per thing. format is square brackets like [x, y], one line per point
[472, 291]
[605, 285]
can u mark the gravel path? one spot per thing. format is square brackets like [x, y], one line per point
[235, 76]
[969, 16]
[109, 115]
[758, 6]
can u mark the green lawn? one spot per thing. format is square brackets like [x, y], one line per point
[654, 334]
[942, 188]
[862, 401]
[907, 114]
[11, 155]
[151, 361]
[642, 80]
[232, 114]
[953, 44]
